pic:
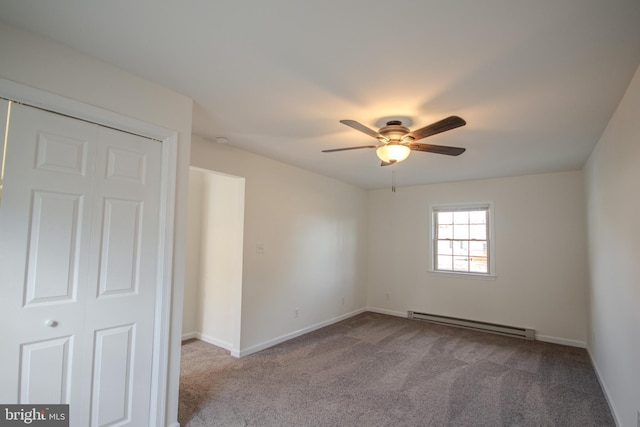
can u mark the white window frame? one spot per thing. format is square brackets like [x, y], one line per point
[491, 273]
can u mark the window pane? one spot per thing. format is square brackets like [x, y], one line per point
[460, 231]
[478, 265]
[460, 263]
[461, 239]
[478, 249]
[461, 247]
[445, 263]
[461, 217]
[478, 217]
[445, 232]
[445, 247]
[478, 232]
[445, 217]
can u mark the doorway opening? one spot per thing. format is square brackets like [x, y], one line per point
[213, 282]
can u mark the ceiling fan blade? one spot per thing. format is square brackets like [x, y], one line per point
[350, 148]
[362, 128]
[443, 125]
[439, 149]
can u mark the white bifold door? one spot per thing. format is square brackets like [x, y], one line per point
[79, 258]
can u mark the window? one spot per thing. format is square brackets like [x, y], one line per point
[461, 242]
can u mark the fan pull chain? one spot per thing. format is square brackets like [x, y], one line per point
[393, 180]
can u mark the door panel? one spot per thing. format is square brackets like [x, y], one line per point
[123, 275]
[126, 165]
[113, 376]
[120, 258]
[44, 371]
[80, 225]
[52, 267]
[45, 224]
[63, 154]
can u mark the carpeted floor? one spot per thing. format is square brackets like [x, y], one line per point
[377, 370]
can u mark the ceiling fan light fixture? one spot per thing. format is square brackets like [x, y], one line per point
[396, 141]
[393, 153]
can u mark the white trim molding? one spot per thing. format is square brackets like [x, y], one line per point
[388, 312]
[295, 334]
[563, 341]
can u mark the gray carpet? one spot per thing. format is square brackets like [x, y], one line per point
[377, 370]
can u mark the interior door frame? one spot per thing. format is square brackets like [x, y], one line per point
[169, 139]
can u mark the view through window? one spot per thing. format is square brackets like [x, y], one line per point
[461, 239]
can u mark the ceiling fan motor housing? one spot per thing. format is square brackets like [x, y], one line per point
[393, 133]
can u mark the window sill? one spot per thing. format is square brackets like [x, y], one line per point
[458, 274]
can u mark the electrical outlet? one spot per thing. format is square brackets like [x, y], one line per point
[639, 418]
[342, 300]
[388, 296]
[295, 313]
[260, 248]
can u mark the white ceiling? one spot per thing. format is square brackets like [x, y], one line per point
[536, 81]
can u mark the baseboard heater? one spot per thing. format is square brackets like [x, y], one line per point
[510, 331]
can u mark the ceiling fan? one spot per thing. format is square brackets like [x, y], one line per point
[397, 141]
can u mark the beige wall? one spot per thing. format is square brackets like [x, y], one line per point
[313, 231]
[190, 326]
[612, 176]
[312, 255]
[540, 254]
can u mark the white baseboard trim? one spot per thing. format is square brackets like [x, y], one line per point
[278, 340]
[389, 312]
[563, 341]
[215, 341]
[605, 391]
[286, 337]
[210, 340]
[189, 336]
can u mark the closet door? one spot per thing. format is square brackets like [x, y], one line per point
[78, 246]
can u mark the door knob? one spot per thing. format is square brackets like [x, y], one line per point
[51, 323]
